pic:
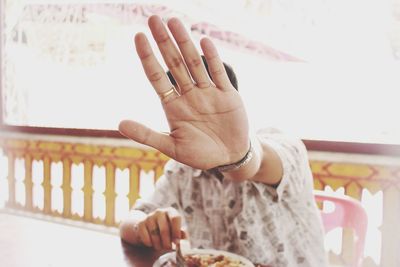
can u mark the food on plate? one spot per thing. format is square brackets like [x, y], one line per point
[206, 260]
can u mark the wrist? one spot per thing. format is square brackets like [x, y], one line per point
[251, 168]
[238, 164]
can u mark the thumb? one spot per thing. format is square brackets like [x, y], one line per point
[146, 136]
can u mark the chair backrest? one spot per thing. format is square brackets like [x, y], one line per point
[347, 213]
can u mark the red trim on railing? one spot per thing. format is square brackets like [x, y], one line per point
[353, 147]
[61, 131]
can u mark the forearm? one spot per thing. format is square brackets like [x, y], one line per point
[265, 165]
[128, 227]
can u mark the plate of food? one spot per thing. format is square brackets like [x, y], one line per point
[204, 258]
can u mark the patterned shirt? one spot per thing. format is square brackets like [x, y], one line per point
[276, 226]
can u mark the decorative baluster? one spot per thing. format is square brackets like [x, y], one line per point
[390, 225]
[47, 185]
[110, 194]
[134, 184]
[11, 181]
[67, 188]
[158, 171]
[99, 186]
[28, 183]
[88, 191]
[316, 169]
[348, 249]
[77, 184]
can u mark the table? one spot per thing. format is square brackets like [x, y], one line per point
[28, 242]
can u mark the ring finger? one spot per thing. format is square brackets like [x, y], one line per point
[154, 72]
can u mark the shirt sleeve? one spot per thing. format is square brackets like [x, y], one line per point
[296, 169]
[165, 193]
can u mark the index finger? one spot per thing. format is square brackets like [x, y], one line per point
[215, 65]
[189, 52]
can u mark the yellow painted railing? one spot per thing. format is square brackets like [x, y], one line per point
[354, 178]
[69, 154]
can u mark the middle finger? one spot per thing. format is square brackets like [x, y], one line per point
[171, 54]
[165, 232]
[189, 52]
[154, 231]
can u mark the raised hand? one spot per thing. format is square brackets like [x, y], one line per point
[207, 119]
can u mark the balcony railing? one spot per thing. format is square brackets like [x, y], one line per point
[85, 181]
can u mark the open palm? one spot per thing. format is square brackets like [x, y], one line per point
[208, 122]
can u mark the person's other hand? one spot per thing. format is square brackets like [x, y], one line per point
[161, 228]
[208, 122]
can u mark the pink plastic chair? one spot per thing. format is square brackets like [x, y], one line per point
[347, 213]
